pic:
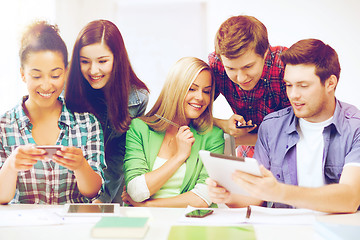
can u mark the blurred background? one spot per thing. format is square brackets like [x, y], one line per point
[159, 32]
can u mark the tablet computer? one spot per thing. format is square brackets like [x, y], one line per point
[221, 167]
[91, 209]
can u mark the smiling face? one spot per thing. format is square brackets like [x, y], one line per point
[245, 70]
[96, 63]
[44, 74]
[310, 99]
[198, 97]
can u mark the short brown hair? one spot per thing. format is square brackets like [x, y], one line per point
[239, 34]
[314, 52]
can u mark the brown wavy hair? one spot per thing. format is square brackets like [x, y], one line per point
[314, 51]
[239, 34]
[122, 78]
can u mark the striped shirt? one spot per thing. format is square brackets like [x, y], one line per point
[48, 182]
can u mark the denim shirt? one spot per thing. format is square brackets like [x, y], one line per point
[114, 144]
[278, 136]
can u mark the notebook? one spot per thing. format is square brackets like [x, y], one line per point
[211, 232]
[120, 227]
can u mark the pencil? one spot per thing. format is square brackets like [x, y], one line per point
[168, 121]
[248, 212]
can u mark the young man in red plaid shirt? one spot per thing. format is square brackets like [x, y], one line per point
[249, 73]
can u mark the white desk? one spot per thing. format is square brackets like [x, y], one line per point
[162, 220]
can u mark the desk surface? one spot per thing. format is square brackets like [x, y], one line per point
[162, 220]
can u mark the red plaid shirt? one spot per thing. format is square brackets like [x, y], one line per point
[269, 94]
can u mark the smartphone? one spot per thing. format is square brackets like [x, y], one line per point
[50, 149]
[199, 213]
[244, 126]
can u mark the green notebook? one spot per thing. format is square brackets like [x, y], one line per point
[211, 233]
[120, 227]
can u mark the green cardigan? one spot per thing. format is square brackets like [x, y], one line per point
[143, 145]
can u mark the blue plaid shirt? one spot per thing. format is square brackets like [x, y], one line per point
[48, 182]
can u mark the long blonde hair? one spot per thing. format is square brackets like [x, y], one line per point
[170, 103]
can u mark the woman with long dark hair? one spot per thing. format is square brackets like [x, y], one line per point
[101, 81]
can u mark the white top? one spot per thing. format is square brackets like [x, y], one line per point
[309, 153]
[138, 190]
[172, 187]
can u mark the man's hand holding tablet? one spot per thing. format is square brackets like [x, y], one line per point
[223, 185]
[221, 168]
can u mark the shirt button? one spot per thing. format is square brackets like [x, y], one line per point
[265, 79]
[278, 176]
[287, 146]
[250, 107]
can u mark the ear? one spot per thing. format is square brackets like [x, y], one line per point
[331, 83]
[22, 75]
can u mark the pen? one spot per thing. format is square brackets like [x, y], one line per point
[168, 121]
[248, 212]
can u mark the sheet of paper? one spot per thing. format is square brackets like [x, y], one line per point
[30, 217]
[42, 217]
[260, 215]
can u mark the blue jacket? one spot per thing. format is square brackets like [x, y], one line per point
[114, 144]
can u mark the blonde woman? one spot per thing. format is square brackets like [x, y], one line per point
[162, 167]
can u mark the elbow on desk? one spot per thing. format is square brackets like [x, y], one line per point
[352, 204]
[198, 203]
[351, 208]
[4, 201]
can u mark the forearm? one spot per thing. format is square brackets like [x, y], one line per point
[240, 201]
[248, 139]
[88, 181]
[334, 198]
[221, 123]
[157, 178]
[8, 178]
[180, 201]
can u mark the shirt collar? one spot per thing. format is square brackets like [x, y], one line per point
[269, 59]
[66, 117]
[336, 120]
[22, 119]
[292, 121]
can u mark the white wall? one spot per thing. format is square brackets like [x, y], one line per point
[15, 15]
[158, 32]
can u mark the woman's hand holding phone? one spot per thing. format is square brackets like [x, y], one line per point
[24, 157]
[71, 158]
